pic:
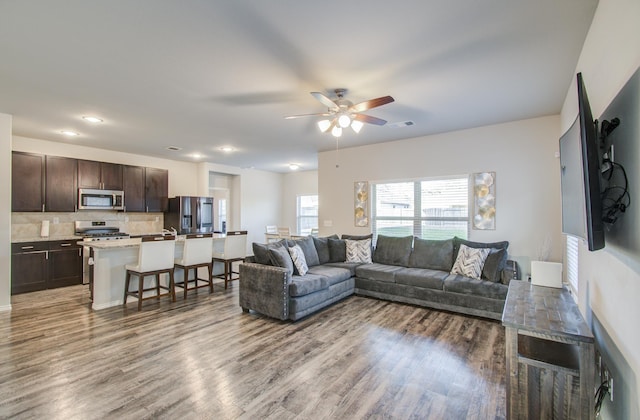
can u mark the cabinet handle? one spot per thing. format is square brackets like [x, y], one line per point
[27, 247]
[79, 252]
[46, 255]
[65, 244]
[43, 207]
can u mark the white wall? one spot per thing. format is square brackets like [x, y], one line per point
[522, 153]
[182, 175]
[295, 184]
[609, 285]
[5, 212]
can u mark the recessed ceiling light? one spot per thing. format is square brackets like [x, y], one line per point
[174, 148]
[70, 133]
[294, 166]
[90, 119]
[196, 155]
[227, 149]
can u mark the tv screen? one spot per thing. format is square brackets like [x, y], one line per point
[580, 176]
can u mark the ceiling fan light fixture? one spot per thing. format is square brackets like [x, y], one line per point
[344, 121]
[336, 131]
[324, 125]
[356, 126]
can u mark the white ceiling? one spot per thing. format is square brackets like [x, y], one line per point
[202, 74]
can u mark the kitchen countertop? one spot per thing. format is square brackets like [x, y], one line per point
[47, 238]
[131, 242]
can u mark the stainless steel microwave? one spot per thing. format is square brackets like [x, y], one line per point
[90, 199]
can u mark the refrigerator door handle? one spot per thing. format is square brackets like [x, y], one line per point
[199, 214]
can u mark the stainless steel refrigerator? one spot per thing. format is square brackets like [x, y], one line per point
[189, 214]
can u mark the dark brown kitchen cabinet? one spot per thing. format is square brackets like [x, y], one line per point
[65, 264]
[45, 265]
[29, 266]
[99, 175]
[156, 190]
[27, 181]
[61, 184]
[133, 182]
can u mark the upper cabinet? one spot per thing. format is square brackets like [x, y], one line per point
[50, 183]
[133, 185]
[61, 187]
[99, 175]
[156, 190]
[27, 182]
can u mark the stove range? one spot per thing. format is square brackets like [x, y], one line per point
[99, 230]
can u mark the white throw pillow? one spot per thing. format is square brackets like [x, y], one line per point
[470, 261]
[299, 262]
[358, 250]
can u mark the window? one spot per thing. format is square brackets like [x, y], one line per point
[428, 209]
[307, 214]
[572, 262]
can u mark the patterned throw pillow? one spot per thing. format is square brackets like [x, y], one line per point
[358, 251]
[470, 261]
[299, 262]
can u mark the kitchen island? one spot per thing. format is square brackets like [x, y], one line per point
[108, 260]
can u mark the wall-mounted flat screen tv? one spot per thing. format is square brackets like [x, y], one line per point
[580, 176]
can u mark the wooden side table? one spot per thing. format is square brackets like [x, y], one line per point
[550, 355]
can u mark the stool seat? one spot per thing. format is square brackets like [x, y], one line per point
[155, 257]
[197, 252]
[235, 249]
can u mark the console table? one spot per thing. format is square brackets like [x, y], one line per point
[550, 355]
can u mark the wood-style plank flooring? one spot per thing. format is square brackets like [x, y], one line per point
[203, 358]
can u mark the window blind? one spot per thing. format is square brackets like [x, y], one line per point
[572, 262]
[427, 208]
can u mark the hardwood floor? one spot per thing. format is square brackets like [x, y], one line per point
[203, 358]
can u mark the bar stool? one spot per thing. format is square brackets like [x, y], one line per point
[235, 249]
[198, 249]
[156, 256]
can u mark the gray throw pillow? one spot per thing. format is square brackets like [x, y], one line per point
[393, 250]
[337, 250]
[322, 248]
[280, 258]
[357, 237]
[432, 254]
[494, 264]
[308, 248]
[261, 251]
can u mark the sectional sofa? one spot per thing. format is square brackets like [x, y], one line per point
[280, 284]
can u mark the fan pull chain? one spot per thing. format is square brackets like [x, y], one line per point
[337, 154]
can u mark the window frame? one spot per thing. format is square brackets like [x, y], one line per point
[417, 219]
[299, 217]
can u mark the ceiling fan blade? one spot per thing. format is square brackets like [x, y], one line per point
[325, 101]
[369, 119]
[322, 114]
[371, 103]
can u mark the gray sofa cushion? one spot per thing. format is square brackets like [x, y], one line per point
[333, 274]
[347, 266]
[455, 283]
[379, 272]
[337, 250]
[322, 248]
[308, 249]
[309, 283]
[433, 254]
[393, 250]
[280, 257]
[422, 277]
[261, 251]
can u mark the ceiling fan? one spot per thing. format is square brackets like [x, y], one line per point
[343, 113]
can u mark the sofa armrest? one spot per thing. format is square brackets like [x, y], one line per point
[265, 289]
[510, 272]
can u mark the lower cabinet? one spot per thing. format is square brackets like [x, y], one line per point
[45, 265]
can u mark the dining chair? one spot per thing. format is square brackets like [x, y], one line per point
[284, 232]
[155, 256]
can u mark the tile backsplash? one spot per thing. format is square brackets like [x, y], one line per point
[27, 225]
